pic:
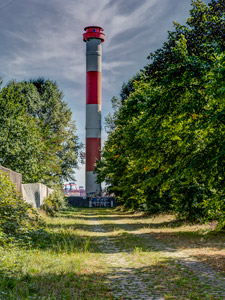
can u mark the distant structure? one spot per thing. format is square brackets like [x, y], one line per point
[72, 190]
[93, 37]
[82, 191]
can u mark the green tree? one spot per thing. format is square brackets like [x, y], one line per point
[57, 122]
[21, 144]
[167, 147]
[57, 148]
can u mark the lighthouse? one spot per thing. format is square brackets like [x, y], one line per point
[93, 37]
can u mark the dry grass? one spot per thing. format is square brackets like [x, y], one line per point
[67, 261]
[201, 241]
[58, 265]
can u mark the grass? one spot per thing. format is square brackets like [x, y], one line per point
[67, 261]
[198, 240]
[58, 266]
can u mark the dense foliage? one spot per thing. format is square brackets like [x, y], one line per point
[37, 136]
[18, 220]
[165, 149]
[54, 202]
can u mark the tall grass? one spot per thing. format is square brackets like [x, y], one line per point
[56, 265]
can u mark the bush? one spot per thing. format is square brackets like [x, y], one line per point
[215, 208]
[54, 202]
[18, 219]
[188, 202]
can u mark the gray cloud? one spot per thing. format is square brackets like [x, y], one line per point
[125, 7]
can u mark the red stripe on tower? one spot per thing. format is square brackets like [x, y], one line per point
[93, 87]
[93, 37]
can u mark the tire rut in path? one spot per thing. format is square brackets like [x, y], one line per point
[205, 274]
[125, 283]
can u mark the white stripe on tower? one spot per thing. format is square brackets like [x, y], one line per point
[93, 37]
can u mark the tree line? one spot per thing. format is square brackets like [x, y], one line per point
[165, 149]
[37, 134]
[37, 139]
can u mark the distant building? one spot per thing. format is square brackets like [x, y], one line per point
[71, 189]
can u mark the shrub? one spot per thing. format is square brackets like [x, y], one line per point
[215, 208]
[18, 219]
[54, 202]
[188, 202]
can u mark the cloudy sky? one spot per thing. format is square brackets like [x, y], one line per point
[44, 38]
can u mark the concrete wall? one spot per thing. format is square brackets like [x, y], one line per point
[15, 177]
[35, 193]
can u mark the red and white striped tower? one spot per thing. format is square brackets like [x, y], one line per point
[93, 37]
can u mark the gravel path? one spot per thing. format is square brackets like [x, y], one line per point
[205, 274]
[123, 281]
[127, 283]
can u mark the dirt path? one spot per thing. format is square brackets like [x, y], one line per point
[141, 267]
[124, 281]
[102, 254]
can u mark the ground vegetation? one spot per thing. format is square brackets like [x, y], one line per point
[19, 222]
[106, 254]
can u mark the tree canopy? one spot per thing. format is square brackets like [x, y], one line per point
[166, 149]
[37, 136]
